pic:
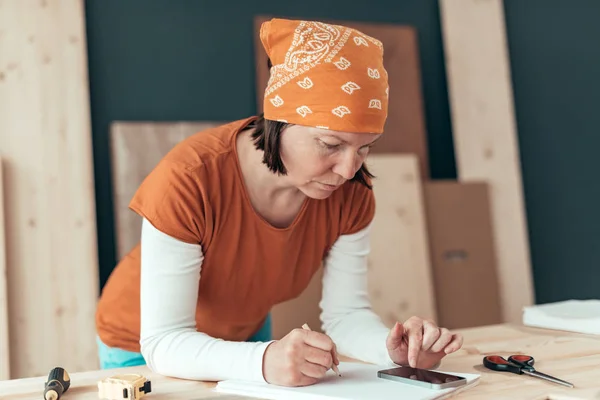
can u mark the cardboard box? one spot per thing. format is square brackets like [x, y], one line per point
[462, 254]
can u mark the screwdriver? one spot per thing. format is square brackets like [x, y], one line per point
[58, 383]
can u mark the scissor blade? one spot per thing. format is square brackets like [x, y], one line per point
[548, 377]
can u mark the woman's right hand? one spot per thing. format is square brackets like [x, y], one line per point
[300, 358]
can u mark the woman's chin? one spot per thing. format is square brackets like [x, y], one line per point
[318, 191]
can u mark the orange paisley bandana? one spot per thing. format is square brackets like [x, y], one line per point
[325, 76]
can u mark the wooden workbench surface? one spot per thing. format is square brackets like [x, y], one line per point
[568, 356]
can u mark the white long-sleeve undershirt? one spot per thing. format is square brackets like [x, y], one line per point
[171, 346]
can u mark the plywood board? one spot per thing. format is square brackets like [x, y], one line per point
[45, 138]
[4, 338]
[462, 252]
[405, 130]
[136, 148]
[485, 134]
[399, 271]
[400, 280]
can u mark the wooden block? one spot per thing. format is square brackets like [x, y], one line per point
[405, 127]
[463, 256]
[136, 148]
[4, 338]
[485, 137]
[46, 144]
[399, 275]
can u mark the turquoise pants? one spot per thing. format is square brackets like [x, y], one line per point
[112, 357]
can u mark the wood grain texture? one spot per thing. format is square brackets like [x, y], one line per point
[569, 356]
[405, 130]
[46, 142]
[485, 134]
[4, 338]
[400, 281]
[400, 278]
[136, 148]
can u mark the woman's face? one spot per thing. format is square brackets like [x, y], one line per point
[318, 161]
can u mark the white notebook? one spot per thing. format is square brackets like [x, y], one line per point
[581, 316]
[358, 381]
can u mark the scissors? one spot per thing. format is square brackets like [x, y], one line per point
[519, 364]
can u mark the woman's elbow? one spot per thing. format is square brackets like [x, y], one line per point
[148, 348]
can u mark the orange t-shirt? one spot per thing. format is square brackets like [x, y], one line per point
[197, 194]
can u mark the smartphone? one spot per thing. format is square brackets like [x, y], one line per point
[422, 377]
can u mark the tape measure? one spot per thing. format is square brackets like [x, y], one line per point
[125, 386]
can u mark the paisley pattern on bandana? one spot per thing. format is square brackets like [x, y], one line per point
[312, 42]
[336, 73]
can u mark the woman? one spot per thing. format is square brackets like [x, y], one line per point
[238, 218]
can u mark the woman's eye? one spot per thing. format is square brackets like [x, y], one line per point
[330, 145]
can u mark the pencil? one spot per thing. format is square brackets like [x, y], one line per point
[334, 367]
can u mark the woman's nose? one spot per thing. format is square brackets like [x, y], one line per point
[347, 166]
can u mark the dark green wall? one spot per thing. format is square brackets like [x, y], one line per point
[194, 60]
[556, 74]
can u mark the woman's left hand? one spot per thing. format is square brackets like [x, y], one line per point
[421, 343]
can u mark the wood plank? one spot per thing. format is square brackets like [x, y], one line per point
[569, 356]
[136, 148]
[4, 338]
[572, 357]
[485, 134]
[400, 278]
[46, 143]
[405, 130]
[399, 275]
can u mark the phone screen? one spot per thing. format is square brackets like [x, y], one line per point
[425, 377]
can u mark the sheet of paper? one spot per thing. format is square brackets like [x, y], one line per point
[358, 381]
[581, 316]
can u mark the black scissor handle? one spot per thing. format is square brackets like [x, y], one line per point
[525, 362]
[497, 363]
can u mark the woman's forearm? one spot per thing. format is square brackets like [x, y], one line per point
[170, 344]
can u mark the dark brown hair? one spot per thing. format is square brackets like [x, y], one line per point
[267, 137]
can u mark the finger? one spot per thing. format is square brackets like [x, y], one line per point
[315, 371]
[318, 340]
[455, 344]
[415, 340]
[336, 359]
[396, 336]
[443, 341]
[317, 356]
[431, 333]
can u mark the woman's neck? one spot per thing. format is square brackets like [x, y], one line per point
[271, 195]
